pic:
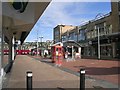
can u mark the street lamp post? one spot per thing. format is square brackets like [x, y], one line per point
[37, 42]
[41, 40]
[37, 47]
[98, 29]
[98, 37]
[41, 44]
[98, 43]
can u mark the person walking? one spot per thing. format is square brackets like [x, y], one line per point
[74, 55]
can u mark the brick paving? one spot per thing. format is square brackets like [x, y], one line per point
[103, 70]
[107, 70]
[47, 76]
[44, 75]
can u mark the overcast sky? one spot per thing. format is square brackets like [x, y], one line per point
[68, 13]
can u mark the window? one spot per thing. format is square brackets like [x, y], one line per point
[93, 32]
[110, 29]
[101, 27]
[102, 31]
[88, 35]
[73, 36]
[82, 35]
[106, 50]
[56, 32]
[64, 38]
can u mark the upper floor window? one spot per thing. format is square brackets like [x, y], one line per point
[71, 37]
[56, 32]
[81, 35]
[101, 27]
[64, 38]
[88, 34]
[108, 29]
[92, 34]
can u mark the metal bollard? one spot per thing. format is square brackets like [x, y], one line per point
[82, 79]
[29, 80]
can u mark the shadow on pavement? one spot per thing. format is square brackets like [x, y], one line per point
[46, 60]
[100, 70]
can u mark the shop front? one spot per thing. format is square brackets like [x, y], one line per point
[106, 51]
[72, 49]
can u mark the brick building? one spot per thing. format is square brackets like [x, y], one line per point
[103, 32]
[59, 30]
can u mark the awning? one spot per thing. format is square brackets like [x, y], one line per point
[71, 43]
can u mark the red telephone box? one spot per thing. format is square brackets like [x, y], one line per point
[57, 54]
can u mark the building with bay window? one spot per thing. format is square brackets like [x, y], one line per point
[59, 30]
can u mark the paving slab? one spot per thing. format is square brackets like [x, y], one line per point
[45, 76]
[101, 73]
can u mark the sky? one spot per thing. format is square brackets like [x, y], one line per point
[67, 13]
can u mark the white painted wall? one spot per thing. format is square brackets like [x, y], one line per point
[79, 50]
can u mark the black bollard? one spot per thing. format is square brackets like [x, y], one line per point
[82, 79]
[29, 80]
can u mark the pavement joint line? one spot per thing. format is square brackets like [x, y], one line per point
[78, 74]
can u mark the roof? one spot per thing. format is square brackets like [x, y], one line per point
[20, 24]
[71, 43]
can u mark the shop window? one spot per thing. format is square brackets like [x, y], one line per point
[94, 53]
[85, 51]
[82, 51]
[106, 51]
[88, 51]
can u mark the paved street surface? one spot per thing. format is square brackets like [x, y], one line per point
[45, 75]
[107, 70]
[104, 72]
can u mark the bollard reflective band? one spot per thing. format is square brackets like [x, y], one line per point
[83, 71]
[29, 74]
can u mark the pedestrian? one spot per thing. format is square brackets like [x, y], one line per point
[45, 55]
[74, 55]
[66, 55]
[33, 52]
